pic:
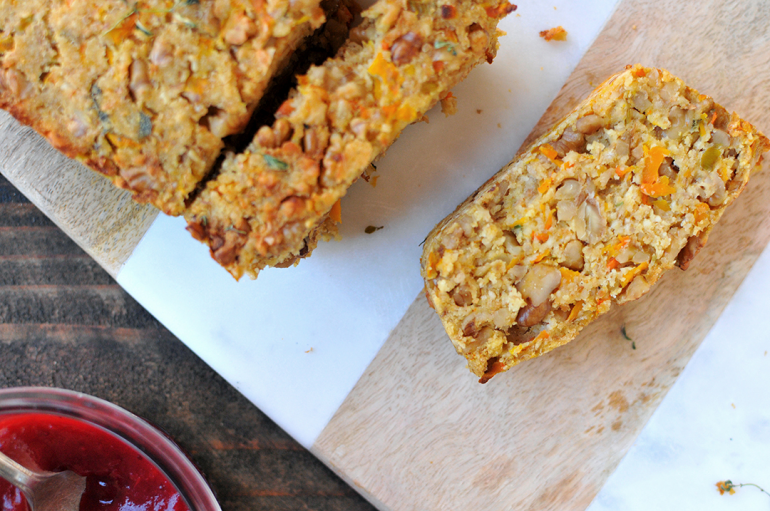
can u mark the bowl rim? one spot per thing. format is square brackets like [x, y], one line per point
[149, 440]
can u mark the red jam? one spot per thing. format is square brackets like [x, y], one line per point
[118, 477]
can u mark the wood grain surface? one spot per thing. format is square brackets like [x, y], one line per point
[102, 219]
[65, 323]
[419, 433]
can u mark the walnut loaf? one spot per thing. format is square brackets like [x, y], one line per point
[144, 92]
[271, 204]
[627, 186]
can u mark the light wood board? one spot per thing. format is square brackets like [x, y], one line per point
[102, 219]
[418, 432]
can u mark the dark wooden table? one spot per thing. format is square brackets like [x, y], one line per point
[64, 322]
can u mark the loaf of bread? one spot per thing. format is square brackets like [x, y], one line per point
[144, 92]
[627, 186]
[271, 204]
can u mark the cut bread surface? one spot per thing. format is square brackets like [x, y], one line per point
[627, 186]
[270, 204]
[144, 92]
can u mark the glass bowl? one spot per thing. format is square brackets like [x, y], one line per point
[136, 432]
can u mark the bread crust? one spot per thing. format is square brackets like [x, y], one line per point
[626, 186]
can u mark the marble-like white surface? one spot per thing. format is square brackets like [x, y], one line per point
[344, 301]
[714, 423]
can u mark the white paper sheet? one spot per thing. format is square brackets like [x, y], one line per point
[296, 340]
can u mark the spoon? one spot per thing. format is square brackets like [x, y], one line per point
[45, 491]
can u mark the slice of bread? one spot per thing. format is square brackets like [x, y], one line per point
[270, 204]
[145, 92]
[625, 187]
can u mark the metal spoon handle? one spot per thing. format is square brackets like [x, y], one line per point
[17, 475]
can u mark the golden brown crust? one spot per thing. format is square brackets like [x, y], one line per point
[145, 92]
[343, 114]
[627, 186]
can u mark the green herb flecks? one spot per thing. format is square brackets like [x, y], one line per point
[146, 31]
[133, 10]
[626, 337]
[446, 44]
[233, 229]
[184, 21]
[96, 96]
[274, 163]
[371, 229]
[145, 125]
[729, 487]
[141, 28]
[694, 126]
[422, 8]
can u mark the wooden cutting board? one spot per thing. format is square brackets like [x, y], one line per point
[418, 432]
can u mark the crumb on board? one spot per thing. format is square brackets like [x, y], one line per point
[479, 110]
[336, 212]
[554, 34]
[729, 487]
[499, 125]
[449, 104]
[633, 27]
[725, 487]
[308, 351]
[369, 175]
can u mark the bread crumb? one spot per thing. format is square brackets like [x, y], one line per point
[554, 34]
[308, 351]
[449, 104]
[478, 111]
[499, 125]
[633, 27]
[733, 405]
